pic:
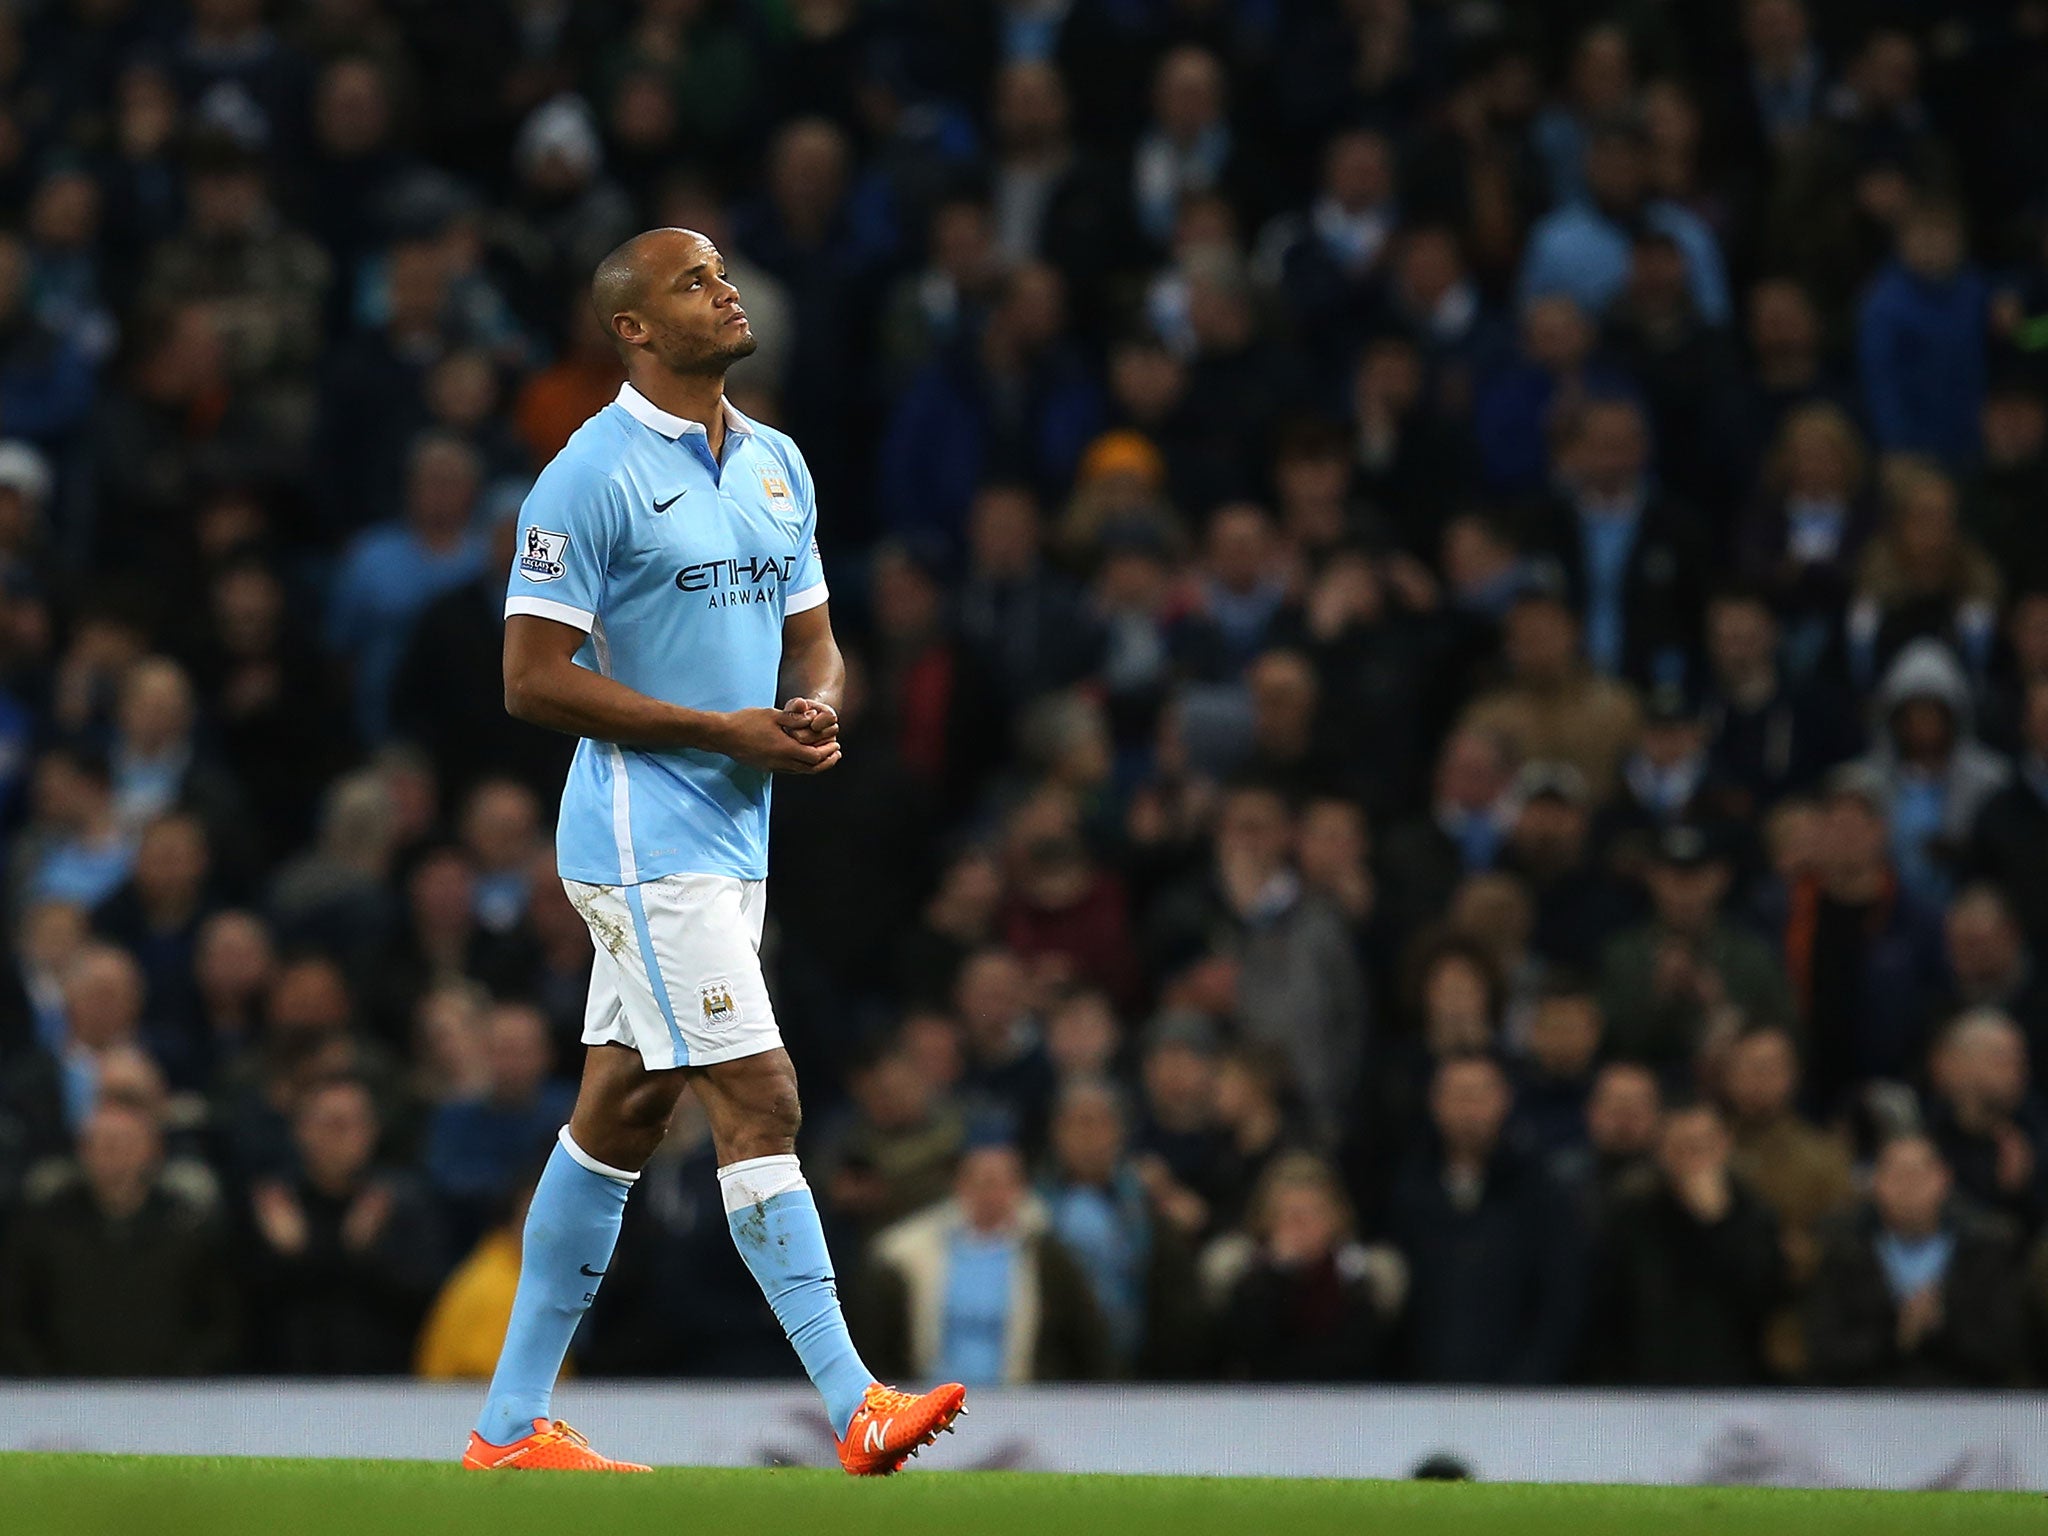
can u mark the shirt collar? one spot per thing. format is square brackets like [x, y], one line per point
[648, 414]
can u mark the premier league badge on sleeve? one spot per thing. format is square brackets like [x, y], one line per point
[541, 560]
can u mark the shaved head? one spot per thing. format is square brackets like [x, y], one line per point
[621, 279]
[663, 296]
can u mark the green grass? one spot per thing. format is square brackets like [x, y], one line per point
[74, 1495]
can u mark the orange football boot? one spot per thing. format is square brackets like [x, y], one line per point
[890, 1427]
[552, 1447]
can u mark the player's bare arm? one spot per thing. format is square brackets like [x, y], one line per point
[813, 675]
[545, 687]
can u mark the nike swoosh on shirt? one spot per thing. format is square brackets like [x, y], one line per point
[663, 506]
[595, 1274]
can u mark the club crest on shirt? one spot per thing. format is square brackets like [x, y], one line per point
[541, 559]
[776, 489]
[716, 996]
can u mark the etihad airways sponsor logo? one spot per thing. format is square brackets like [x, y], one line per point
[737, 580]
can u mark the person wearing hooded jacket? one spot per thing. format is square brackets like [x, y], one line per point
[1936, 773]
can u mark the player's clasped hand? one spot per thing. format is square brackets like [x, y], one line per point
[819, 723]
[767, 739]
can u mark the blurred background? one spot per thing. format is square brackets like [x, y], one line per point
[1447, 608]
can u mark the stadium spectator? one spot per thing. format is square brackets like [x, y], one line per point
[1799, 1171]
[1067, 917]
[1190, 146]
[392, 572]
[1990, 964]
[559, 398]
[1768, 733]
[47, 939]
[1802, 541]
[1558, 1067]
[977, 1290]
[2008, 478]
[1600, 79]
[1624, 1114]
[1423, 858]
[1241, 593]
[1689, 1269]
[46, 379]
[891, 1151]
[1518, 396]
[1307, 1301]
[1665, 781]
[1579, 907]
[1181, 1145]
[1138, 1266]
[1023, 618]
[347, 1253]
[930, 310]
[1921, 577]
[74, 847]
[1007, 1069]
[1330, 259]
[1921, 340]
[1914, 1289]
[1937, 776]
[474, 1147]
[113, 1273]
[1631, 560]
[1551, 706]
[54, 1088]
[1581, 248]
[1253, 1102]
[1495, 1254]
[1670, 985]
[1084, 1037]
[157, 917]
[1011, 400]
[1494, 912]
[1685, 364]
[335, 895]
[1984, 1117]
[274, 711]
[1297, 986]
[1860, 949]
[2012, 826]
[264, 281]
[233, 964]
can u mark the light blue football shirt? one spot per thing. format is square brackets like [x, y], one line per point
[680, 570]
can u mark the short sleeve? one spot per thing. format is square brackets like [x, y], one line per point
[807, 587]
[566, 528]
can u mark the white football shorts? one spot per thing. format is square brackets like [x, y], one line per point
[678, 969]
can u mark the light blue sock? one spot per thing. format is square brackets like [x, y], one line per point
[775, 1224]
[571, 1228]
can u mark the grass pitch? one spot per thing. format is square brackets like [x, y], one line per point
[76, 1495]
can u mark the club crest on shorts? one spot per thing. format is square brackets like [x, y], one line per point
[716, 997]
[541, 558]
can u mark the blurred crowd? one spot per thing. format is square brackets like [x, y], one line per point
[1447, 729]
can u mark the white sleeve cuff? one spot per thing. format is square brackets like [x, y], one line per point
[804, 601]
[561, 613]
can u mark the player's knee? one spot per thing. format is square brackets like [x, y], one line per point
[785, 1114]
[647, 1108]
[768, 1123]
